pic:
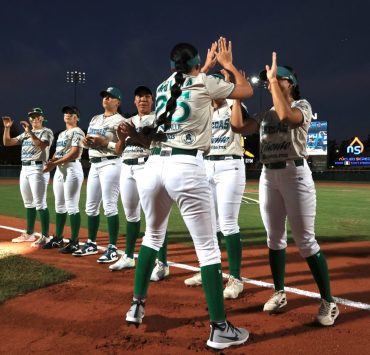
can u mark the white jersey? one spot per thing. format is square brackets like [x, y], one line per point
[67, 139]
[133, 151]
[224, 140]
[30, 152]
[279, 141]
[107, 127]
[191, 121]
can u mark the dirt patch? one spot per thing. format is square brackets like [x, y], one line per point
[86, 314]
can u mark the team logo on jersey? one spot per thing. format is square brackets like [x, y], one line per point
[188, 137]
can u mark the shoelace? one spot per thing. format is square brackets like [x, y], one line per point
[226, 326]
[324, 308]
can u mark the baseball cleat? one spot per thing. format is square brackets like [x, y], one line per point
[328, 313]
[160, 271]
[70, 247]
[39, 243]
[123, 263]
[109, 255]
[224, 335]
[54, 242]
[24, 237]
[195, 280]
[277, 301]
[89, 248]
[135, 314]
[234, 288]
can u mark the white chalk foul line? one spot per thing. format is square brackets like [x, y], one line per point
[297, 291]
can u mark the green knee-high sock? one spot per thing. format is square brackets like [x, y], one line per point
[44, 217]
[60, 221]
[144, 268]
[213, 289]
[319, 269]
[132, 232]
[234, 254]
[75, 220]
[219, 238]
[162, 254]
[113, 229]
[31, 219]
[93, 227]
[277, 265]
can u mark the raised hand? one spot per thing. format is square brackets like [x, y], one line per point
[26, 126]
[224, 54]
[7, 121]
[271, 72]
[211, 58]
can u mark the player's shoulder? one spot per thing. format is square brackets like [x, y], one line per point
[48, 130]
[302, 103]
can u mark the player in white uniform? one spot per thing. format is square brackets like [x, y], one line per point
[36, 141]
[174, 173]
[104, 174]
[67, 180]
[286, 188]
[226, 175]
[134, 156]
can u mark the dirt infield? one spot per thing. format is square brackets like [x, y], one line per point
[86, 314]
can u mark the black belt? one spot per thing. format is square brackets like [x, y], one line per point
[135, 161]
[282, 164]
[174, 151]
[222, 157]
[100, 159]
[31, 162]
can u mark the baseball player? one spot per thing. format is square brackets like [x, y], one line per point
[67, 180]
[134, 156]
[104, 174]
[286, 187]
[174, 173]
[226, 175]
[36, 141]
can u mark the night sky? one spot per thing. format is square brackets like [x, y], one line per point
[127, 43]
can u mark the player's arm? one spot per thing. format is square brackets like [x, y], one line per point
[122, 136]
[239, 122]
[242, 89]
[36, 141]
[73, 154]
[134, 137]
[211, 58]
[282, 107]
[7, 140]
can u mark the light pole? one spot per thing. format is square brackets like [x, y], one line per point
[260, 84]
[76, 77]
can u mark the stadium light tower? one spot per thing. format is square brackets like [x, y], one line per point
[76, 77]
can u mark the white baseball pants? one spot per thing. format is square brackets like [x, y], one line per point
[67, 184]
[289, 193]
[103, 185]
[33, 186]
[179, 178]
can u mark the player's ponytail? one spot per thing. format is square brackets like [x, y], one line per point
[184, 57]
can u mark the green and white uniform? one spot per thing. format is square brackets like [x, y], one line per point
[174, 173]
[286, 186]
[33, 182]
[104, 174]
[69, 176]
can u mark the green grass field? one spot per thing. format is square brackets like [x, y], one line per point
[19, 275]
[343, 213]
